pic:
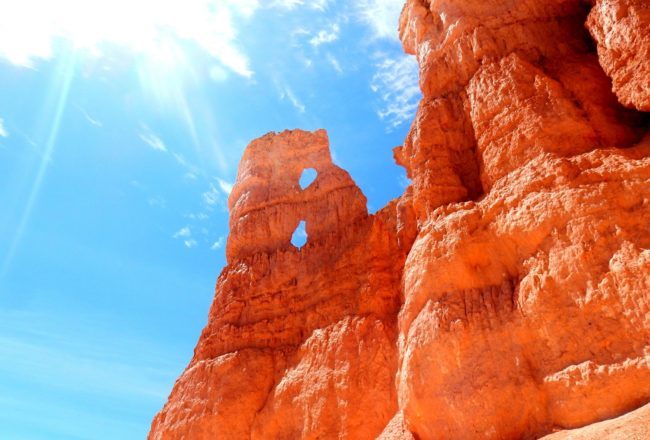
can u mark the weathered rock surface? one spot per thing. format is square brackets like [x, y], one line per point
[631, 426]
[300, 342]
[504, 295]
[621, 28]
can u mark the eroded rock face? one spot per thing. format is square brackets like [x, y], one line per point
[504, 295]
[621, 28]
[299, 342]
[631, 426]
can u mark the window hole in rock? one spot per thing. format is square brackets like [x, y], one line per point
[299, 237]
[307, 177]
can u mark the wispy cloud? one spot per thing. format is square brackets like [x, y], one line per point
[191, 171]
[157, 201]
[3, 133]
[197, 216]
[382, 16]
[319, 5]
[295, 101]
[325, 36]
[211, 197]
[287, 93]
[89, 118]
[183, 232]
[396, 74]
[3, 130]
[151, 139]
[396, 81]
[218, 244]
[226, 187]
[180, 159]
[190, 243]
[334, 63]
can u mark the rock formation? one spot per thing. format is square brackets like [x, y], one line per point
[300, 342]
[504, 295]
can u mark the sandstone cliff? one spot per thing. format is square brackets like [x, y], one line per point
[504, 295]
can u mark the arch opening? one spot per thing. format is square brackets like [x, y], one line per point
[299, 236]
[307, 177]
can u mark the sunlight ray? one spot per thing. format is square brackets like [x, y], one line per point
[62, 83]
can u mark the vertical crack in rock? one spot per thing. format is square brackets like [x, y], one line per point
[504, 295]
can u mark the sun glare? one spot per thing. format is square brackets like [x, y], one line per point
[165, 43]
[159, 29]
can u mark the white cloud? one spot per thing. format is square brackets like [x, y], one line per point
[3, 131]
[244, 7]
[180, 159]
[157, 201]
[325, 36]
[396, 81]
[149, 138]
[218, 244]
[90, 119]
[287, 93]
[295, 101]
[305, 61]
[319, 5]
[199, 216]
[184, 232]
[226, 187]
[192, 172]
[29, 28]
[212, 196]
[334, 63]
[382, 16]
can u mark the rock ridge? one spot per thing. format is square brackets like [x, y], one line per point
[504, 295]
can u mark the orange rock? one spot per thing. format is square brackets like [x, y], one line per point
[631, 426]
[504, 295]
[299, 342]
[621, 29]
[530, 309]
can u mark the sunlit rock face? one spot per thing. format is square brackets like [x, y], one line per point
[300, 342]
[630, 426]
[504, 295]
[621, 29]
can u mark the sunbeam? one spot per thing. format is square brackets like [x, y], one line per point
[63, 77]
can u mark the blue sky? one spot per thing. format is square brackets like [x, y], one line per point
[121, 128]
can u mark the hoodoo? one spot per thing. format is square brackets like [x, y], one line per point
[504, 295]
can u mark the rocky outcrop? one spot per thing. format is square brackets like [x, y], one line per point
[621, 29]
[631, 426]
[505, 294]
[299, 342]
